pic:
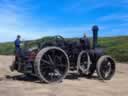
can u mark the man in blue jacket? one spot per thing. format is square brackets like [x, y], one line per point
[17, 45]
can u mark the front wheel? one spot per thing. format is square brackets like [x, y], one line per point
[105, 68]
[85, 66]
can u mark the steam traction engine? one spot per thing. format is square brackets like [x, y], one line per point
[51, 62]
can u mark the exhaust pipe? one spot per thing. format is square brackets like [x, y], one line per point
[95, 30]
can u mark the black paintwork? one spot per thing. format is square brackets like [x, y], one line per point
[71, 48]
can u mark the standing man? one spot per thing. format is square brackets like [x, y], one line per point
[86, 42]
[95, 30]
[17, 45]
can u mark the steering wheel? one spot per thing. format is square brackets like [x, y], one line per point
[59, 38]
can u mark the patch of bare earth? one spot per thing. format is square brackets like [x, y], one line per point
[118, 86]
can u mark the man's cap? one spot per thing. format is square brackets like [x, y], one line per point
[18, 36]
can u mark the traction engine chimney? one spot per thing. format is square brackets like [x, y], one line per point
[95, 30]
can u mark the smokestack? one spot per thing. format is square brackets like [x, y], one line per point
[95, 30]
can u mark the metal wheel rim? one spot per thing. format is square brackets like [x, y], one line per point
[106, 68]
[81, 59]
[52, 68]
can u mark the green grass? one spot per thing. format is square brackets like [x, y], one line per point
[6, 48]
[116, 47]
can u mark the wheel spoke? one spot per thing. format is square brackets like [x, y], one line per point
[45, 61]
[50, 58]
[58, 72]
[60, 65]
[59, 58]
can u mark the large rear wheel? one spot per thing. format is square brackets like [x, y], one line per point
[52, 64]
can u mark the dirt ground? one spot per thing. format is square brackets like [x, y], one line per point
[81, 86]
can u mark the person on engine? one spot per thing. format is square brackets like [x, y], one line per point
[85, 42]
[17, 45]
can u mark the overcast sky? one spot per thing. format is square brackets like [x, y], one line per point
[70, 18]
